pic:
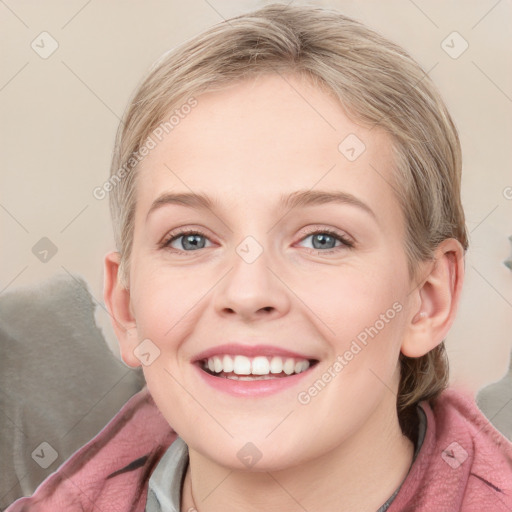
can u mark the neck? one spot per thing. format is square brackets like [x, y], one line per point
[361, 474]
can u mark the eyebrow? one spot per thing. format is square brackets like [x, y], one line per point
[298, 199]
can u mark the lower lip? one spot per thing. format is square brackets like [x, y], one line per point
[245, 388]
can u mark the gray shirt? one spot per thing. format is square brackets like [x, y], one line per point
[165, 483]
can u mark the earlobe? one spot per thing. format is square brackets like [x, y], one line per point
[118, 303]
[438, 298]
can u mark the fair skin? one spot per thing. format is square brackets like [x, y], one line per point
[245, 146]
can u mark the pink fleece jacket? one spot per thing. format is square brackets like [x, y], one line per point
[464, 464]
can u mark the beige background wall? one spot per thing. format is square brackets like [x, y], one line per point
[59, 115]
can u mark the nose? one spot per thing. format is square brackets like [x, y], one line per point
[252, 289]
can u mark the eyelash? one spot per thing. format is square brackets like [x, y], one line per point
[347, 243]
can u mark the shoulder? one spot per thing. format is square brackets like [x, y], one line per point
[476, 444]
[464, 462]
[113, 467]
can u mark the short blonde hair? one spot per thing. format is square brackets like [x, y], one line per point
[376, 82]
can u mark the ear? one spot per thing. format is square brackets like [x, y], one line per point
[437, 298]
[117, 300]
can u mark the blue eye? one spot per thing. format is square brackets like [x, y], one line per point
[323, 240]
[190, 240]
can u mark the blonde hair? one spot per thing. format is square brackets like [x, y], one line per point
[376, 82]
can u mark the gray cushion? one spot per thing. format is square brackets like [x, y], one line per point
[495, 401]
[60, 383]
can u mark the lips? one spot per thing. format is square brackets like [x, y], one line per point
[235, 349]
[255, 362]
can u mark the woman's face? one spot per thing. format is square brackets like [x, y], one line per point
[297, 254]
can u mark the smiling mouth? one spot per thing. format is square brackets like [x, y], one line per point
[255, 368]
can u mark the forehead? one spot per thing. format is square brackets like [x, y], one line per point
[255, 141]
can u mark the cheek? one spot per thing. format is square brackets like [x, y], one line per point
[164, 300]
[362, 318]
[349, 299]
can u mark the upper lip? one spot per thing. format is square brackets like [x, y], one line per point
[235, 349]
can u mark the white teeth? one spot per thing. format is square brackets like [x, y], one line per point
[276, 365]
[246, 377]
[260, 365]
[242, 365]
[227, 364]
[301, 366]
[289, 366]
